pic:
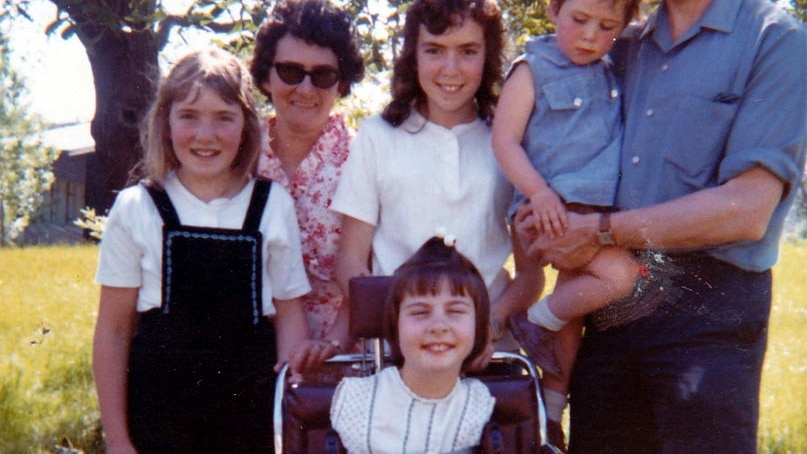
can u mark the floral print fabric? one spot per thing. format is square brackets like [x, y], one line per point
[312, 187]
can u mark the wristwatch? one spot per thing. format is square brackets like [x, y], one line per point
[605, 236]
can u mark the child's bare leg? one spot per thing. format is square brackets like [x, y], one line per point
[556, 387]
[609, 276]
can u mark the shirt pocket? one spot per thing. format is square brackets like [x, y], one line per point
[581, 105]
[697, 130]
[566, 94]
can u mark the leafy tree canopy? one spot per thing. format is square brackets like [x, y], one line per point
[25, 163]
[123, 39]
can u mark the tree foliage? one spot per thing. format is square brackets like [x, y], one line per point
[799, 9]
[123, 40]
[25, 163]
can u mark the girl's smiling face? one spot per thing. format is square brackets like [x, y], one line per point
[206, 134]
[450, 68]
[436, 334]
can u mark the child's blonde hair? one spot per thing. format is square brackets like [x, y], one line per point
[424, 273]
[632, 8]
[211, 68]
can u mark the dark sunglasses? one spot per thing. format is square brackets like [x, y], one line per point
[323, 77]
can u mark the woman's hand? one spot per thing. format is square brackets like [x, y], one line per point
[309, 354]
[483, 359]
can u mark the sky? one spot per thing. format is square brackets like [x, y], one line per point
[57, 71]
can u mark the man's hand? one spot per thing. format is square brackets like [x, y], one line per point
[571, 251]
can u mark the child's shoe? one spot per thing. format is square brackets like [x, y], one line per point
[537, 341]
[555, 435]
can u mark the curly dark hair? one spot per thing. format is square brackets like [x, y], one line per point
[438, 16]
[317, 22]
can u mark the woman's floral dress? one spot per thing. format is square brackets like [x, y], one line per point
[312, 187]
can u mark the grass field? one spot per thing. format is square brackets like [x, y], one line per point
[49, 304]
[783, 406]
[49, 307]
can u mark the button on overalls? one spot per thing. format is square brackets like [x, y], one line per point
[200, 367]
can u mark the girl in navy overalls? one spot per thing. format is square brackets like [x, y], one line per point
[201, 276]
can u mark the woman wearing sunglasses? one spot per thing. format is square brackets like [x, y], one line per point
[306, 58]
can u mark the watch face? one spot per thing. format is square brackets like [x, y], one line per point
[605, 238]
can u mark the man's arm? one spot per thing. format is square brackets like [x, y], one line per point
[738, 210]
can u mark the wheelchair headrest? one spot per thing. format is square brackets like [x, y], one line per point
[368, 296]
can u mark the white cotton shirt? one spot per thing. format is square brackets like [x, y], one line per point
[414, 180]
[132, 244]
[381, 415]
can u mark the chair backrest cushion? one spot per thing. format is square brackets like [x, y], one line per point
[368, 297]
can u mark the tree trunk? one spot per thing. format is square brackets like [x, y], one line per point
[125, 70]
[125, 73]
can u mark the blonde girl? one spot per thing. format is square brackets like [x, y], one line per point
[201, 275]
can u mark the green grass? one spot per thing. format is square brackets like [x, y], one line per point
[49, 307]
[49, 304]
[783, 406]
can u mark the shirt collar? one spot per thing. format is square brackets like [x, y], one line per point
[553, 53]
[720, 15]
[336, 122]
[416, 122]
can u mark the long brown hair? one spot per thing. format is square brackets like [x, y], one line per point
[438, 16]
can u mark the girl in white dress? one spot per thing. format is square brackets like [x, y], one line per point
[426, 162]
[436, 325]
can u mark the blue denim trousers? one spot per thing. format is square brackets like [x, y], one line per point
[684, 378]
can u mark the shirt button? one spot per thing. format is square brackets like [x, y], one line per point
[614, 93]
[578, 102]
[665, 67]
[649, 113]
[635, 160]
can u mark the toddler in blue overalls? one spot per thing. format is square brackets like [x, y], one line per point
[557, 136]
[201, 275]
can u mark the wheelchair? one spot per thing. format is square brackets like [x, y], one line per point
[302, 410]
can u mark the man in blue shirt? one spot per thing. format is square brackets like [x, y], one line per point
[714, 146]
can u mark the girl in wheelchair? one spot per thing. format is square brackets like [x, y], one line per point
[436, 324]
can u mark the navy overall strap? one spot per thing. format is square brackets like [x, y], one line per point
[164, 205]
[260, 194]
[252, 221]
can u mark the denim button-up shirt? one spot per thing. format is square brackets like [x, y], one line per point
[729, 95]
[574, 132]
[573, 135]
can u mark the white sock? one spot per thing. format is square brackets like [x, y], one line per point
[555, 403]
[540, 314]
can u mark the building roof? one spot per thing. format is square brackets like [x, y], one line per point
[74, 139]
